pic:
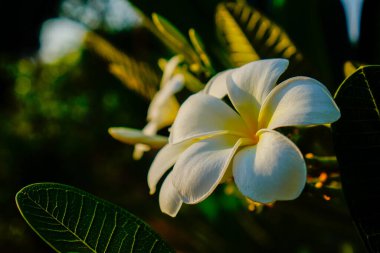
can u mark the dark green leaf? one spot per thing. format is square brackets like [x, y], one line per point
[72, 220]
[357, 140]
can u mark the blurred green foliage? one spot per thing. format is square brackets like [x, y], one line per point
[55, 129]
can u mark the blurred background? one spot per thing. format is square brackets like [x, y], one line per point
[58, 99]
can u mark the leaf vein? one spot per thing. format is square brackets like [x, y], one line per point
[371, 94]
[79, 215]
[100, 231]
[113, 230]
[134, 237]
[92, 220]
[60, 222]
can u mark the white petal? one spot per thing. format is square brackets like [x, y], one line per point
[169, 199]
[134, 136]
[258, 78]
[150, 130]
[245, 104]
[163, 161]
[164, 106]
[170, 67]
[217, 86]
[201, 115]
[139, 151]
[298, 101]
[201, 167]
[272, 170]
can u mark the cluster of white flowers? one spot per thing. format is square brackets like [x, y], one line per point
[211, 142]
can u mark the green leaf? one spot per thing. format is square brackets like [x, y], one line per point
[249, 35]
[72, 220]
[200, 48]
[135, 75]
[173, 38]
[357, 141]
[186, 14]
[169, 30]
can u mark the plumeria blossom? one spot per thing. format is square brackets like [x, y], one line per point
[161, 113]
[211, 142]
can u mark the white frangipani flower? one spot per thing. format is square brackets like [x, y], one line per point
[161, 113]
[211, 142]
